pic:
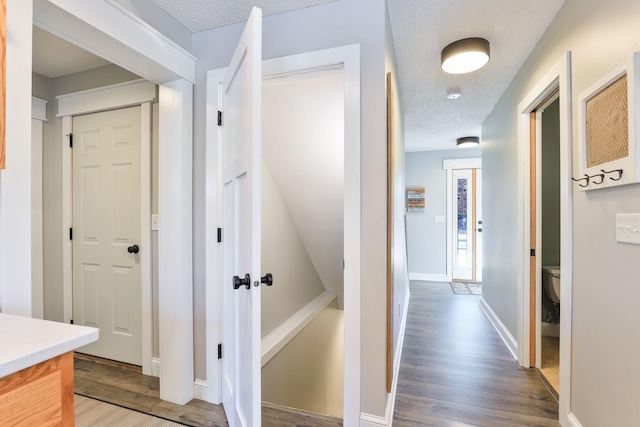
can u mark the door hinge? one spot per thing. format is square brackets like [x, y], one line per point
[70, 140]
[533, 252]
[219, 235]
[219, 351]
[71, 234]
[219, 118]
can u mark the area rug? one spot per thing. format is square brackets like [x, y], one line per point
[94, 413]
[466, 288]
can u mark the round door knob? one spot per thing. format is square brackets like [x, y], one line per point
[238, 282]
[267, 279]
[133, 249]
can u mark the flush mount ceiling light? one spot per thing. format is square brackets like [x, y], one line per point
[465, 56]
[468, 141]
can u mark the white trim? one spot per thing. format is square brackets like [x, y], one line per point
[38, 117]
[349, 58]
[368, 420]
[110, 97]
[391, 399]
[449, 165]
[213, 254]
[155, 367]
[427, 277]
[38, 109]
[502, 330]
[283, 334]
[572, 420]
[559, 76]
[102, 99]
[200, 390]
[146, 256]
[469, 163]
[129, 43]
[175, 245]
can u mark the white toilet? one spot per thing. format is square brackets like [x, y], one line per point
[551, 282]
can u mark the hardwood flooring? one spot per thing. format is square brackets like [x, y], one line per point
[456, 371]
[125, 386]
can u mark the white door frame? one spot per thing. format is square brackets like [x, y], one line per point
[38, 118]
[347, 57]
[136, 46]
[449, 165]
[137, 92]
[558, 77]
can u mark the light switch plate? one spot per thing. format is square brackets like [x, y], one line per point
[628, 228]
[154, 222]
[439, 218]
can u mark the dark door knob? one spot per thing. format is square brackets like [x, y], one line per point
[133, 249]
[238, 282]
[267, 279]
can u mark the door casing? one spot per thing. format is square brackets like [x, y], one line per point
[348, 58]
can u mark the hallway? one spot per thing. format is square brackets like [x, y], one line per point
[456, 371]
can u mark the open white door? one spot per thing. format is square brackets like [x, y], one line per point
[241, 120]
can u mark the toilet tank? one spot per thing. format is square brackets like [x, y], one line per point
[551, 282]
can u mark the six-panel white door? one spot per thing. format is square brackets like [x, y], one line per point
[241, 130]
[106, 231]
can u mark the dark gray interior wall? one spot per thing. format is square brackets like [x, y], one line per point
[551, 184]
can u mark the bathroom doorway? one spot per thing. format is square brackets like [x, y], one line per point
[545, 241]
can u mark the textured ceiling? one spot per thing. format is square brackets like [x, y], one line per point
[421, 29]
[198, 15]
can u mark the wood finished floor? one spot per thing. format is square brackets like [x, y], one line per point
[456, 371]
[124, 385]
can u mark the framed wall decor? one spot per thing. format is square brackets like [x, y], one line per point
[609, 141]
[415, 199]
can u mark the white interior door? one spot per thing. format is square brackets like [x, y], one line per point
[241, 157]
[478, 226]
[106, 232]
[462, 224]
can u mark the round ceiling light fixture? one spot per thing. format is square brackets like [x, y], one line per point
[465, 56]
[468, 141]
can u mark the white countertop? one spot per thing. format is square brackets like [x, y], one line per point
[26, 342]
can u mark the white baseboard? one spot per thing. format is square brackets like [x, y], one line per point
[368, 420]
[504, 333]
[573, 421]
[429, 277]
[155, 367]
[200, 390]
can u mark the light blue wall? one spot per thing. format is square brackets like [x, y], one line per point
[427, 239]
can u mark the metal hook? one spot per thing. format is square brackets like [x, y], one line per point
[601, 175]
[613, 171]
[586, 177]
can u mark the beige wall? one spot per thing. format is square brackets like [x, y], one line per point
[605, 340]
[307, 373]
[296, 282]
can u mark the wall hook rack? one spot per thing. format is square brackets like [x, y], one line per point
[586, 178]
[618, 171]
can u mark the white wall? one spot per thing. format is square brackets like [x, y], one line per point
[296, 282]
[320, 27]
[15, 180]
[427, 238]
[303, 146]
[604, 388]
[307, 373]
